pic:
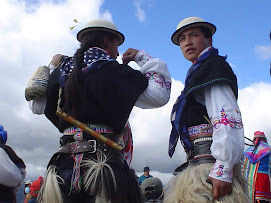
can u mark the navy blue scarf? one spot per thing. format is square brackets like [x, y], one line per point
[179, 129]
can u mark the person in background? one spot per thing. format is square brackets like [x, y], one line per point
[12, 170]
[257, 169]
[35, 189]
[146, 175]
[26, 186]
[96, 90]
[207, 120]
[152, 189]
[27, 194]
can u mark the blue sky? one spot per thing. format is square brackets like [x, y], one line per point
[242, 27]
[33, 31]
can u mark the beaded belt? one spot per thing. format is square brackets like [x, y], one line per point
[98, 128]
[200, 131]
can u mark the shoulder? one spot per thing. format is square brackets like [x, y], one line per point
[214, 69]
[217, 64]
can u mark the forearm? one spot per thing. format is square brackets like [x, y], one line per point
[157, 93]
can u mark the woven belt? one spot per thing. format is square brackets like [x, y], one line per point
[200, 131]
[98, 128]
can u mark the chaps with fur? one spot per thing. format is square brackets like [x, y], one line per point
[50, 191]
[190, 186]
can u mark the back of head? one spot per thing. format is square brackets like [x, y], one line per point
[3, 135]
[100, 25]
[152, 188]
[96, 33]
[35, 186]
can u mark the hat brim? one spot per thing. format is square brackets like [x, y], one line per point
[89, 29]
[177, 33]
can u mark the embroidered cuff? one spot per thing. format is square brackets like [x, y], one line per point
[142, 57]
[221, 172]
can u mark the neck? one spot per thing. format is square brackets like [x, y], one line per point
[203, 52]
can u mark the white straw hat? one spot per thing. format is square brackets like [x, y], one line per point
[100, 24]
[188, 23]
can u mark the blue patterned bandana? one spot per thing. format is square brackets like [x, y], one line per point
[94, 58]
[179, 129]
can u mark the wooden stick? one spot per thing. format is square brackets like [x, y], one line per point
[88, 130]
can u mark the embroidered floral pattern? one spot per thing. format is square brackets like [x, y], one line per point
[220, 171]
[159, 79]
[224, 120]
[144, 57]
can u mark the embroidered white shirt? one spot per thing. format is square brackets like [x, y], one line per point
[228, 133]
[157, 93]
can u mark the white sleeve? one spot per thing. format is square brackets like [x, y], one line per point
[228, 133]
[11, 175]
[157, 93]
[37, 106]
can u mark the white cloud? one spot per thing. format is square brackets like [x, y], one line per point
[30, 39]
[140, 13]
[263, 52]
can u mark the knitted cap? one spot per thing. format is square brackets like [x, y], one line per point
[151, 185]
[36, 185]
[259, 134]
[4, 134]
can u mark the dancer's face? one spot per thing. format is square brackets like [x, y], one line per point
[193, 42]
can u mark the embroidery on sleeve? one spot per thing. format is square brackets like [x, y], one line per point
[220, 171]
[159, 79]
[224, 120]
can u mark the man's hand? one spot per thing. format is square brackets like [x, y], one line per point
[56, 60]
[129, 55]
[220, 188]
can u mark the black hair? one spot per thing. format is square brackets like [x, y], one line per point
[206, 31]
[72, 89]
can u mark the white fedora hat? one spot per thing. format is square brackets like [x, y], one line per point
[188, 23]
[100, 24]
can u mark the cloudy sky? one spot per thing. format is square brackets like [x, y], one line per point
[32, 31]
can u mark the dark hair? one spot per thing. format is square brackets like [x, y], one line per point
[206, 31]
[153, 195]
[72, 89]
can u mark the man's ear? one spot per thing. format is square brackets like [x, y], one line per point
[210, 40]
[106, 42]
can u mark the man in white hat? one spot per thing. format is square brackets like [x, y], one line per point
[207, 120]
[99, 92]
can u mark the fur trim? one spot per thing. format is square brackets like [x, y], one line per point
[99, 178]
[190, 186]
[50, 191]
